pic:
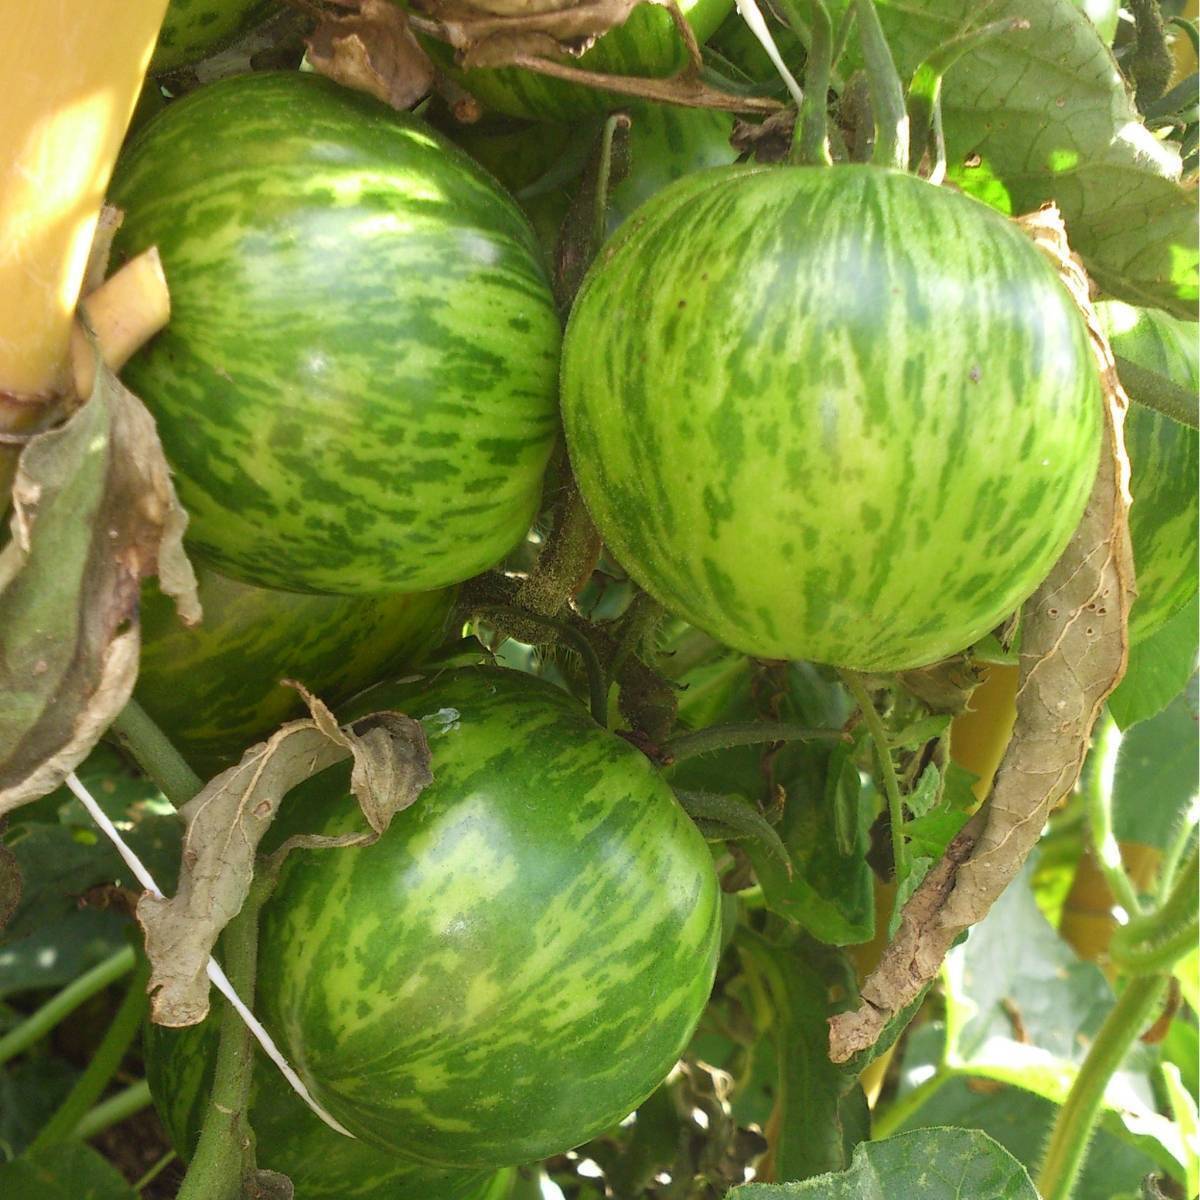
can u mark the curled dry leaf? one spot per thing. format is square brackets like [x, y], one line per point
[94, 513]
[536, 37]
[1073, 653]
[572, 27]
[372, 50]
[227, 821]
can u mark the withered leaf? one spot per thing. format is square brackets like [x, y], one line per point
[1073, 653]
[573, 26]
[94, 513]
[228, 819]
[373, 50]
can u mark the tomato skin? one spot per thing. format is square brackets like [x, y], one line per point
[520, 959]
[840, 415]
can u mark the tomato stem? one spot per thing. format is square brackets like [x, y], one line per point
[155, 754]
[1163, 395]
[1099, 808]
[224, 1155]
[810, 138]
[1076, 1120]
[887, 94]
[925, 91]
[747, 733]
[103, 1066]
[65, 1002]
[1153, 942]
[887, 768]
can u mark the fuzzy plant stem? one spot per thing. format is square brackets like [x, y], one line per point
[887, 769]
[887, 93]
[1076, 1120]
[155, 754]
[748, 733]
[225, 1152]
[1099, 809]
[1154, 942]
[810, 140]
[114, 1110]
[65, 1002]
[1154, 391]
[104, 1064]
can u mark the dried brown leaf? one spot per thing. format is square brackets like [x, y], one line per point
[373, 51]
[94, 513]
[1073, 653]
[573, 27]
[228, 819]
[97, 264]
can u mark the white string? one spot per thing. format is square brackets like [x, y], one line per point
[218, 977]
[754, 19]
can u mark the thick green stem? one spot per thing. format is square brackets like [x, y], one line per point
[810, 140]
[155, 754]
[225, 1152]
[735, 819]
[887, 93]
[1152, 390]
[748, 733]
[925, 88]
[63, 1003]
[1168, 871]
[1076, 1120]
[887, 769]
[114, 1110]
[1099, 808]
[1154, 942]
[155, 1171]
[104, 1065]
[901, 1110]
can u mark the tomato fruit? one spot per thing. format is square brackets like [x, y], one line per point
[519, 961]
[833, 414]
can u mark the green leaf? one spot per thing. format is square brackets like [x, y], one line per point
[51, 939]
[816, 1114]
[30, 1092]
[1157, 773]
[1183, 1108]
[926, 794]
[918, 868]
[1159, 668]
[934, 1164]
[1187, 971]
[1044, 115]
[1021, 1122]
[65, 1172]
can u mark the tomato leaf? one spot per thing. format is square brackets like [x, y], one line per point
[94, 513]
[372, 50]
[1044, 115]
[68, 1171]
[1159, 668]
[935, 1164]
[228, 819]
[815, 1121]
[1157, 773]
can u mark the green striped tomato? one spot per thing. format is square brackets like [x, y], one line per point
[194, 29]
[1164, 462]
[321, 1163]
[214, 689]
[834, 414]
[518, 962]
[357, 386]
[647, 44]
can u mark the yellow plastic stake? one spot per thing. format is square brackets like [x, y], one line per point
[70, 74]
